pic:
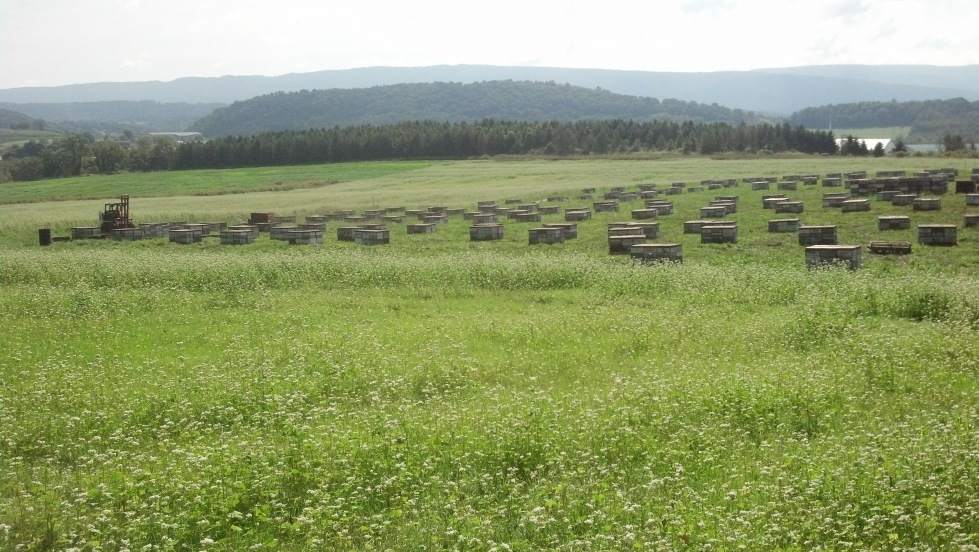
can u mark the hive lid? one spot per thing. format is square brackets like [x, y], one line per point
[833, 247]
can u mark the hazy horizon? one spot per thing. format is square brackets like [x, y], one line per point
[134, 40]
[473, 64]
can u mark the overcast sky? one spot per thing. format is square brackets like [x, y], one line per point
[69, 41]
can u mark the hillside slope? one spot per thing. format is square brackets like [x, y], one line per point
[15, 119]
[454, 102]
[770, 91]
[929, 120]
[116, 115]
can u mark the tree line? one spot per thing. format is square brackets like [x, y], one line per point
[81, 154]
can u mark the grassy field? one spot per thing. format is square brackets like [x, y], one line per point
[441, 394]
[13, 137]
[202, 182]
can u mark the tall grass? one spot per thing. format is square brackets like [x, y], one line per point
[435, 394]
[917, 295]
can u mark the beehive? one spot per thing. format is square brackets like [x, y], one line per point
[694, 226]
[890, 247]
[650, 253]
[85, 232]
[937, 234]
[783, 225]
[299, 236]
[730, 207]
[827, 255]
[789, 207]
[346, 233]
[623, 230]
[927, 204]
[280, 232]
[769, 202]
[569, 229]
[855, 205]
[364, 236]
[713, 212]
[127, 234]
[834, 200]
[485, 232]
[181, 235]
[527, 217]
[719, 233]
[253, 229]
[606, 206]
[421, 228]
[648, 229]
[903, 199]
[624, 243]
[236, 237]
[545, 235]
[893, 222]
[817, 235]
[662, 206]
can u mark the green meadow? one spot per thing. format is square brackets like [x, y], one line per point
[15, 137]
[442, 394]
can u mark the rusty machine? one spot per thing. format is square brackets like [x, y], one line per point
[115, 215]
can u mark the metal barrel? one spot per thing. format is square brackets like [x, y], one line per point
[44, 236]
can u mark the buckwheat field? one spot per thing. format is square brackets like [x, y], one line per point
[439, 393]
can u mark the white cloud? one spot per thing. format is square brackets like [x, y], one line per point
[712, 6]
[848, 8]
[63, 41]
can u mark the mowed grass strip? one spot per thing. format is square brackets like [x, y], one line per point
[458, 184]
[200, 182]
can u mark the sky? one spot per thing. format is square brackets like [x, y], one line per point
[72, 41]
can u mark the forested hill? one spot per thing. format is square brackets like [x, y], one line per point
[450, 102]
[929, 120]
[15, 119]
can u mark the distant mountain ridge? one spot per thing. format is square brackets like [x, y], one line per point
[965, 77]
[450, 102]
[116, 115]
[779, 91]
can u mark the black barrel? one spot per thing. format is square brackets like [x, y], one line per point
[44, 236]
